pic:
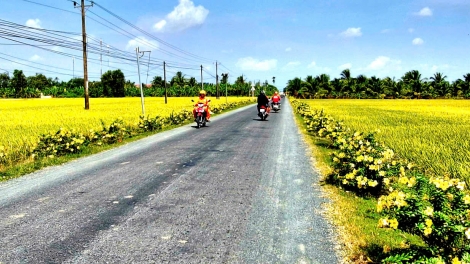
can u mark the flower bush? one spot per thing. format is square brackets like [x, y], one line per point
[60, 143]
[435, 208]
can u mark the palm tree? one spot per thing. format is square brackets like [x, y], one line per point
[413, 80]
[347, 81]
[323, 83]
[294, 86]
[178, 79]
[439, 84]
[376, 86]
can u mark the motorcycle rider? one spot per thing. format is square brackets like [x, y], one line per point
[204, 100]
[263, 100]
[276, 99]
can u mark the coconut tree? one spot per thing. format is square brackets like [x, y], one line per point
[440, 85]
[294, 86]
[413, 81]
[347, 80]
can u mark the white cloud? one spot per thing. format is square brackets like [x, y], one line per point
[251, 64]
[351, 32]
[345, 66]
[35, 58]
[424, 12]
[378, 63]
[185, 15]
[436, 68]
[417, 41]
[288, 49]
[291, 65]
[312, 64]
[160, 25]
[35, 23]
[143, 44]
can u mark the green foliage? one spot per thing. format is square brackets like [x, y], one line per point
[38, 82]
[411, 85]
[113, 83]
[19, 83]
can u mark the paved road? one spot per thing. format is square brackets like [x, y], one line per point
[238, 191]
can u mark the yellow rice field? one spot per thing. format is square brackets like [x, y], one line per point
[434, 134]
[23, 120]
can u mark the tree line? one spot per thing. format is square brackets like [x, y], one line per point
[410, 85]
[114, 84]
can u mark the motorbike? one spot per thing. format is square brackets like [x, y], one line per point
[200, 115]
[263, 112]
[276, 107]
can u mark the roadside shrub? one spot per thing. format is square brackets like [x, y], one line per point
[60, 143]
[115, 132]
[151, 124]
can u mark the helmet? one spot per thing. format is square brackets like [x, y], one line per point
[275, 93]
[202, 92]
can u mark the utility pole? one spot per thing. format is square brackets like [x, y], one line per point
[202, 83]
[217, 80]
[164, 80]
[85, 66]
[226, 83]
[137, 52]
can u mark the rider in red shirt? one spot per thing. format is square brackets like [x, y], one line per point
[276, 99]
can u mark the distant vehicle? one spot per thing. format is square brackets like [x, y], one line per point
[282, 95]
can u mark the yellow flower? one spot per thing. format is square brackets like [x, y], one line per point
[386, 181]
[467, 233]
[394, 223]
[456, 261]
[383, 222]
[461, 186]
[428, 222]
[382, 173]
[411, 182]
[360, 158]
[373, 183]
[403, 180]
[345, 181]
[427, 231]
[466, 199]
[429, 211]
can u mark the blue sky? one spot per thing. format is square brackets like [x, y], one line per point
[256, 39]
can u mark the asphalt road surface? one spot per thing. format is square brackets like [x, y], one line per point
[238, 191]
